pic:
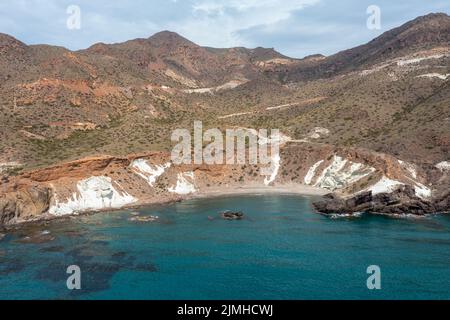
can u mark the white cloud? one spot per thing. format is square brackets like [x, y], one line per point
[248, 6]
[217, 23]
[293, 27]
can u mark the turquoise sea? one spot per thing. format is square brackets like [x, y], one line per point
[281, 250]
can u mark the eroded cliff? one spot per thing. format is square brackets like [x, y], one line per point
[106, 182]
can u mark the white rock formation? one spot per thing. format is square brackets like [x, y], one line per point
[318, 132]
[422, 191]
[385, 185]
[404, 62]
[409, 167]
[149, 172]
[312, 172]
[342, 173]
[8, 165]
[275, 167]
[435, 75]
[443, 166]
[95, 193]
[185, 184]
[226, 86]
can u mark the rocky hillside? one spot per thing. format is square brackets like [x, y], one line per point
[387, 99]
[106, 183]
[422, 33]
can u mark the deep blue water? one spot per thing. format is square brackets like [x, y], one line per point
[282, 250]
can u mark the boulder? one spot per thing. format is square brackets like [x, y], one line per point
[403, 200]
[144, 219]
[332, 204]
[231, 215]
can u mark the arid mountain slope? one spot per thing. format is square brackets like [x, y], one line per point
[390, 95]
[422, 33]
[368, 119]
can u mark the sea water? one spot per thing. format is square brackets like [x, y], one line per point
[282, 249]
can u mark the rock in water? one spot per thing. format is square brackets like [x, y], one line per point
[401, 201]
[144, 219]
[232, 215]
[36, 239]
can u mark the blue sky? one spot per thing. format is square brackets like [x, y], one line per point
[294, 27]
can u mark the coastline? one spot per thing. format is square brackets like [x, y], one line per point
[251, 189]
[255, 189]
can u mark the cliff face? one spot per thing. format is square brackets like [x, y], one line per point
[28, 203]
[106, 183]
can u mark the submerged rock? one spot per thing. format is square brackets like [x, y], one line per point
[37, 239]
[144, 219]
[232, 215]
[402, 200]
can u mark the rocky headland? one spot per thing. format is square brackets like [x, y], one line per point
[352, 180]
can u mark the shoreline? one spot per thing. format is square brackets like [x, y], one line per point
[253, 189]
[288, 189]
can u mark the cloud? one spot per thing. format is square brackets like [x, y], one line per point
[208, 22]
[254, 10]
[293, 27]
[328, 27]
[217, 23]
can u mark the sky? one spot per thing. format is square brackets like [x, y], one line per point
[296, 28]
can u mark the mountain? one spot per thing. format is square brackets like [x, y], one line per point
[127, 97]
[423, 32]
[14, 57]
[369, 118]
[169, 59]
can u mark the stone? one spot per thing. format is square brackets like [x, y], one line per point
[231, 215]
[402, 200]
[144, 219]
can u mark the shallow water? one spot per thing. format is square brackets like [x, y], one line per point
[281, 250]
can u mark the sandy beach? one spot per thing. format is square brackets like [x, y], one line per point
[261, 189]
